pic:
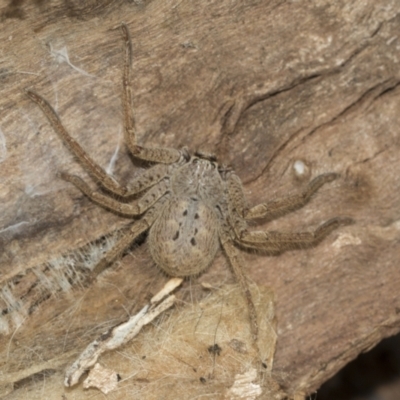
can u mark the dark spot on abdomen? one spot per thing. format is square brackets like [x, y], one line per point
[176, 235]
[193, 241]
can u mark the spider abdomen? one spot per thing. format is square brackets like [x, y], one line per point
[184, 240]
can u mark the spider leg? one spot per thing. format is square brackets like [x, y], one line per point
[278, 242]
[237, 200]
[145, 180]
[90, 165]
[134, 231]
[155, 154]
[236, 261]
[237, 206]
[278, 207]
[132, 210]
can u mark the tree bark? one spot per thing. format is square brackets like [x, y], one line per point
[261, 84]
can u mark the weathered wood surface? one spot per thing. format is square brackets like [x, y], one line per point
[259, 83]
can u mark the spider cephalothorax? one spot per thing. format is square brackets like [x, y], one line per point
[190, 205]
